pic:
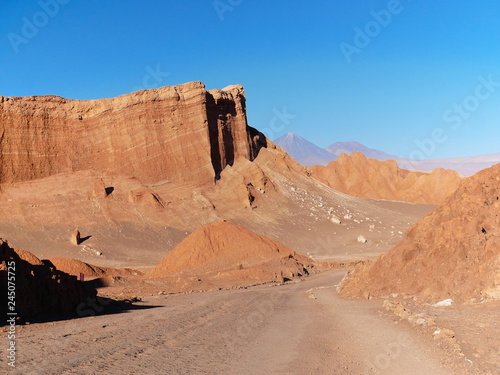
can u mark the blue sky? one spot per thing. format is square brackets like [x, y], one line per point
[420, 68]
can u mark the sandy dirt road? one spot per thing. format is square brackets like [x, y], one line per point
[287, 329]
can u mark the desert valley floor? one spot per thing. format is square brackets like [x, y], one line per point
[298, 328]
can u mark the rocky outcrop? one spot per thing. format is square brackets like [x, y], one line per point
[164, 161]
[452, 253]
[361, 177]
[76, 267]
[75, 238]
[181, 133]
[39, 289]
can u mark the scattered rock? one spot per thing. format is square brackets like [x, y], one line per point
[75, 237]
[334, 219]
[444, 333]
[100, 190]
[445, 302]
[362, 239]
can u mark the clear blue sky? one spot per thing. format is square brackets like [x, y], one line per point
[287, 54]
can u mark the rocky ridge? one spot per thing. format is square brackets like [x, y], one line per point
[451, 254]
[361, 177]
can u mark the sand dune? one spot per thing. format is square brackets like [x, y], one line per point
[224, 250]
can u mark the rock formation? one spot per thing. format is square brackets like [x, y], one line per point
[163, 161]
[369, 178]
[223, 250]
[75, 238]
[76, 267]
[172, 133]
[100, 189]
[40, 289]
[454, 252]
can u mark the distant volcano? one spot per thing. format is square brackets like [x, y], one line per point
[308, 154]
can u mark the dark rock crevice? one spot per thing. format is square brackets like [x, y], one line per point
[220, 116]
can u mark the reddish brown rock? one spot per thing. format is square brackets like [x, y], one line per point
[100, 189]
[76, 267]
[177, 158]
[75, 237]
[369, 178]
[181, 133]
[222, 248]
[40, 289]
[454, 252]
[28, 257]
[146, 198]
[246, 182]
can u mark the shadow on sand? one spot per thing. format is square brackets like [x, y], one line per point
[96, 306]
[83, 239]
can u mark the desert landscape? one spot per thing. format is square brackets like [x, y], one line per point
[212, 244]
[170, 227]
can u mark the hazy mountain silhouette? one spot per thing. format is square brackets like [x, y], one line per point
[308, 154]
[305, 152]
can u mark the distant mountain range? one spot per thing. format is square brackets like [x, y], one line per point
[305, 152]
[308, 154]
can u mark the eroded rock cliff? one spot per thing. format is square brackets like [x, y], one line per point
[181, 133]
[361, 177]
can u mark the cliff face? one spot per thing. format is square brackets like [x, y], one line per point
[136, 173]
[361, 177]
[181, 133]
